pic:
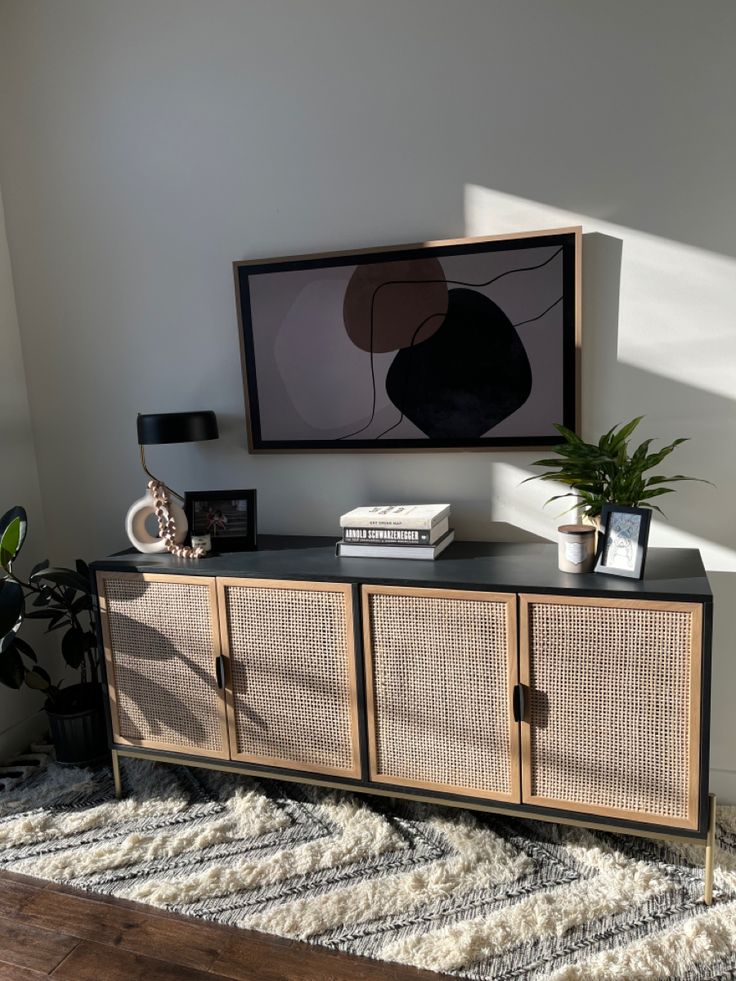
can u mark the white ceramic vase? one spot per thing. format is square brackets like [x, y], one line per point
[140, 536]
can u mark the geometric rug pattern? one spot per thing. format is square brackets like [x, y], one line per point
[474, 895]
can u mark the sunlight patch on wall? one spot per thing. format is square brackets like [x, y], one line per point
[677, 303]
[520, 504]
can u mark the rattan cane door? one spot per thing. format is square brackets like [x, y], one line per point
[440, 670]
[291, 694]
[612, 723]
[161, 642]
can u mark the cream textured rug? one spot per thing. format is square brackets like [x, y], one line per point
[448, 890]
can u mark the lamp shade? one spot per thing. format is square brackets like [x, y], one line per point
[176, 427]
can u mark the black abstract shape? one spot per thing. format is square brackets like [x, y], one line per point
[467, 377]
[456, 282]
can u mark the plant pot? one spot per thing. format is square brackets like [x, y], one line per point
[78, 727]
[593, 523]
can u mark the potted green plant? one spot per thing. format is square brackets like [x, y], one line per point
[62, 598]
[609, 471]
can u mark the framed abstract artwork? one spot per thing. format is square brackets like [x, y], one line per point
[461, 344]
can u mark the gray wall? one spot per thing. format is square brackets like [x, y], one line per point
[145, 145]
[20, 718]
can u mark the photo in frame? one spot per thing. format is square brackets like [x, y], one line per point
[460, 344]
[622, 549]
[227, 516]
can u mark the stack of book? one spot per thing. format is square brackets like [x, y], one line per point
[396, 531]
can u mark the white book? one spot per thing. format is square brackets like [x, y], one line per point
[350, 550]
[397, 536]
[395, 516]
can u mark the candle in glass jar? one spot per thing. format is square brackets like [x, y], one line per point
[576, 548]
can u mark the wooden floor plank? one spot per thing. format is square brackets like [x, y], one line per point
[29, 880]
[79, 917]
[26, 945]
[189, 942]
[139, 939]
[94, 962]
[14, 896]
[8, 972]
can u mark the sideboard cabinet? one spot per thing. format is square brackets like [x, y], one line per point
[486, 679]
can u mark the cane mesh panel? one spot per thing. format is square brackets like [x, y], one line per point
[163, 658]
[289, 656]
[441, 691]
[610, 707]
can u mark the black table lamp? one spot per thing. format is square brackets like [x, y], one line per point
[155, 428]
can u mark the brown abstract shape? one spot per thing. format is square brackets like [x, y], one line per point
[405, 311]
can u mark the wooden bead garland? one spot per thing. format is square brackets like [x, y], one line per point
[166, 524]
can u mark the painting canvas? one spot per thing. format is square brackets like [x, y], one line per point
[460, 344]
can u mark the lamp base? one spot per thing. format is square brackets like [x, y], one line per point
[140, 536]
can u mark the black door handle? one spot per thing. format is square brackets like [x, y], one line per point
[517, 702]
[220, 671]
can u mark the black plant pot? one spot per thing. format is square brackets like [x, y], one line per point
[77, 724]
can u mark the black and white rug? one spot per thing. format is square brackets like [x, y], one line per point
[479, 896]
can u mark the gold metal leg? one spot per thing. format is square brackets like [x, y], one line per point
[116, 774]
[710, 848]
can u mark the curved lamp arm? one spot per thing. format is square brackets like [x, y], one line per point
[153, 477]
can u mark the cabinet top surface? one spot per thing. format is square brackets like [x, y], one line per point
[675, 573]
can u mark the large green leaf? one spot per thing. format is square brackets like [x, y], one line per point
[37, 678]
[13, 525]
[11, 668]
[63, 577]
[568, 434]
[657, 492]
[25, 649]
[620, 438]
[13, 529]
[74, 646]
[11, 606]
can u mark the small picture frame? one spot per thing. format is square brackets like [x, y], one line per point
[227, 516]
[622, 549]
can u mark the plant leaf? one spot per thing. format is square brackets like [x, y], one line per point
[59, 619]
[38, 679]
[13, 529]
[43, 598]
[625, 431]
[73, 646]
[607, 471]
[667, 480]
[39, 567]
[11, 607]
[657, 492]
[81, 604]
[11, 668]
[64, 577]
[25, 649]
